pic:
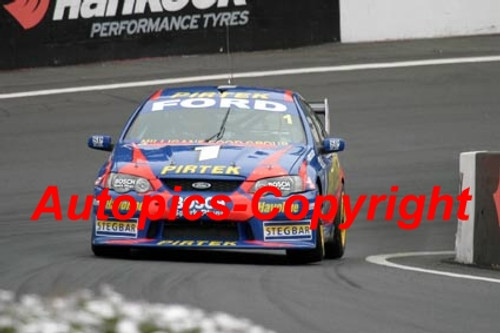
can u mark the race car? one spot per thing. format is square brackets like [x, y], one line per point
[222, 167]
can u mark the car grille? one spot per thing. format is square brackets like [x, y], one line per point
[205, 230]
[217, 185]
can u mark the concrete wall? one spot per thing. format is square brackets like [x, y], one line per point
[478, 238]
[377, 20]
[464, 240]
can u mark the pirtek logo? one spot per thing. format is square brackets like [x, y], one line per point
[28, 12]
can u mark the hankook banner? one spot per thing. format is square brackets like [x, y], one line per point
[59, 32]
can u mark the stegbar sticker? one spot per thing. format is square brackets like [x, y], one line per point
[115, 228]
[287, 231]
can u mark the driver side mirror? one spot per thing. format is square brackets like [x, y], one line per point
[100, 142]
[333, 145]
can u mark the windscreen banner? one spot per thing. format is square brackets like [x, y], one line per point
[60, 32]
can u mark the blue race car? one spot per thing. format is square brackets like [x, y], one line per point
[193, 168]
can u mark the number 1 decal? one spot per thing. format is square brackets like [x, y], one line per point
[208, 153]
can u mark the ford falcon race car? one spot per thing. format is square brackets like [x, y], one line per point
[191, 169]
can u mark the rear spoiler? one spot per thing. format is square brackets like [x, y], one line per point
[322, 111]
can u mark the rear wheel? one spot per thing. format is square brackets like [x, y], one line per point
[334, 249]
[110, 251]
[312, 255]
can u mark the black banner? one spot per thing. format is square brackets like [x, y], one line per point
[61, 32]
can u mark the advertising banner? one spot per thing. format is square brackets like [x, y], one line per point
[59, 32]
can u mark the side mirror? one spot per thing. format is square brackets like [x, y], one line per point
[100, 142]
[333, 145]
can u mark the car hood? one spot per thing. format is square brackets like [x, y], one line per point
[210, 161]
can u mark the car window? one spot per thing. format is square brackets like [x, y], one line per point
[198, 124]
[316, 127]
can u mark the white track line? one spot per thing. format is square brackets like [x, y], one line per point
[383, 260]
[292, 71]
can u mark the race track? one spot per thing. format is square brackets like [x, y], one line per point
[403, 126]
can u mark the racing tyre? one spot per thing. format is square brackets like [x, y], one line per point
[110, 251]
[298, 257]
[334, 248]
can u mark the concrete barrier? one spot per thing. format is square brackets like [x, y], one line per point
[478, 239]
[377, 20]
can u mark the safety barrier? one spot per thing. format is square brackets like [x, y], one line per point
[478, 239]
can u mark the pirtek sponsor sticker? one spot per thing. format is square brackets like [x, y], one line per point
[196, 243]
[201, 169]
[212, 94]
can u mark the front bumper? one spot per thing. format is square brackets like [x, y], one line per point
[243, 231]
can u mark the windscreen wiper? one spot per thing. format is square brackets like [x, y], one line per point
[220, 134]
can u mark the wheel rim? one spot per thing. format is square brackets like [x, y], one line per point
[321, 235]
[342, 237]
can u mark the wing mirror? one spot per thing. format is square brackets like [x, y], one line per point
[100, 142]
[333, 145]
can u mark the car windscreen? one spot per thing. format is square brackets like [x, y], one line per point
[199, 120]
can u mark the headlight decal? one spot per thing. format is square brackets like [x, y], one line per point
[122, 183]
[286, 184]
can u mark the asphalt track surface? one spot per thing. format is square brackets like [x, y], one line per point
[403, 127]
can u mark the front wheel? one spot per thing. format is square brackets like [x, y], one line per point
[335, 248]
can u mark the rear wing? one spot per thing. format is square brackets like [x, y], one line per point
[322, 111]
